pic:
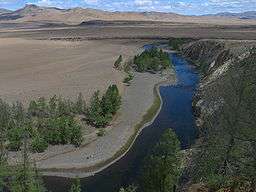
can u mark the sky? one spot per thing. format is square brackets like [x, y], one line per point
[187, 7]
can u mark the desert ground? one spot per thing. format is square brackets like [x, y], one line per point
[68, 60]
[35, 68]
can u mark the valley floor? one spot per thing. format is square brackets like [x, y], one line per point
[32, 68]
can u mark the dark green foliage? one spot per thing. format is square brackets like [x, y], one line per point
[176, 43]
[111, 101]
[26, 177]
[63, 130]
[4, 168]
[128, 78]
[95, 113]
[76, 186]
[80, 106]
[227, 158]
[118, 62]
[162, 168]
[38, 144]
[101, 110]
[101, 133]
[130, 188]
[15, 135]
[152, 60]
[47, 122]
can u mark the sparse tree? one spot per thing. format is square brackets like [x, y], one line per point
[162, 168]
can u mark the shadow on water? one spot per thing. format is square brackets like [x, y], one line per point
[176, 113]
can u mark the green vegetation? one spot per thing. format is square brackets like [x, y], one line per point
[130, 188]
[176, 43]
[25, 178]
[127, 80]
[55, 121]
[227, 156]
[162, 168]
[101, 110]
[46, 122]
[101, 133]
[118, 62]
[151, 60]
[76, 186]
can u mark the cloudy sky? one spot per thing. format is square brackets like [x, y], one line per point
[189, 7]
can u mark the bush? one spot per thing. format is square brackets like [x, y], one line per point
[76, 135]
[39, 144]
[101, 110]
[176, 43]
[127, 79]
[15, 138]
[151, 60]
[63, 130]
[118, 62]
[101, 133]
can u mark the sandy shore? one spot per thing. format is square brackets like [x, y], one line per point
[81, 162]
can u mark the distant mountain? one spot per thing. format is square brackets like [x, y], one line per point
[4, 11]
[86, 16]
[78, 15]
[244, 15]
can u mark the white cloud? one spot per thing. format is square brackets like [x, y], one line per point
[91, 2]
[45, 3]
[143, 2]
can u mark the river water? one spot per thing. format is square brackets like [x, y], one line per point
[176, 113]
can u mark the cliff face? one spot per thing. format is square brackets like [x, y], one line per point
[226, 68]
[213, 58]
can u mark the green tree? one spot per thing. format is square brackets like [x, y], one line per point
[163, 167]
[111, 101]
[25, 178]
[33, 109]
[4, 167]
[38, 144]
[76, 186]
[95, 112]
[80, 105]
[118, 62]
[53, 105]
[130, 188]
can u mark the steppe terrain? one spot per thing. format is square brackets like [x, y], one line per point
[41, 59]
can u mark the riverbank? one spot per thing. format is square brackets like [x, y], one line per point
[101, 153]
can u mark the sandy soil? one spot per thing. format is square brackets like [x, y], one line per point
[33, 68]
[137, 99]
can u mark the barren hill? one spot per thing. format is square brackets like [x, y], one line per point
[34, 13]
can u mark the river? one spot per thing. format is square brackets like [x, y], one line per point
[176, 113]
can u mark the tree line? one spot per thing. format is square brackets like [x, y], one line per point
[54, 121]
[153, 59]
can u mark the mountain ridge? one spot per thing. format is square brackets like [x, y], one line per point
[78, 15]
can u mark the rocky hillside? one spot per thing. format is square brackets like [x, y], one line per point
[224, 156]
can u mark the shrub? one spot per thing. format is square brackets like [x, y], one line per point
[76, 135]
[101, 133]
[39, 144]
[15, 138]
[118, 62]
[127, 79]
[63, 130]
